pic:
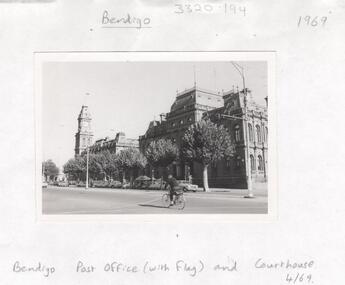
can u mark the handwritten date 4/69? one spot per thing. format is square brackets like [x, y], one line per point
[311, 21]
[295, 278]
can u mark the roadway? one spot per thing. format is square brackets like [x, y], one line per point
[68, 200]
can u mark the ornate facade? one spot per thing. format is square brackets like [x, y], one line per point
[84, 136]
[115, 145]
[191, 106]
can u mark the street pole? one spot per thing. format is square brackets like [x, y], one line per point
[264, 159]
[246, 138]
[87, 168]
[43, 169]
[87, 94]
[247, 157]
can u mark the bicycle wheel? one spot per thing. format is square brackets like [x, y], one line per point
[166, 200]
[180, 202]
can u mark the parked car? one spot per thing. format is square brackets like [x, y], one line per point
[126, 185]
[72, 183]
[62, 184]
[157, 184]
[142, 182]
[187, 186]
[81, 184]
[44, 184]
[115, 184]
[100, 183]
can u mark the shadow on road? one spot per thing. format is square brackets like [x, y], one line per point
[153, 206]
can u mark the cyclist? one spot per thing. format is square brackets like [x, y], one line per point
[172, 182]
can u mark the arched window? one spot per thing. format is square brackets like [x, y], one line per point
[260, 162]
[238, 161]
[266, 134]
[252, 163]
[250, 131]
[237, 133]
[258, 133]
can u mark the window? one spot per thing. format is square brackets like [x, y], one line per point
[238, 161]
[258, 133]
[189, 119]
[173, 124]
[214, 169]
[237, 133]
[252, 163]
[250, 131]
[260, 162]
[227, 163]
[266, 134]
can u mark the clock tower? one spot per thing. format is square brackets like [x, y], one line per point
[83, 138]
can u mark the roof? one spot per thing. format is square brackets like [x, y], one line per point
[195, 95]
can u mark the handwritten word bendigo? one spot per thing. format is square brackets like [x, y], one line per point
[128, 21]
[39, 268]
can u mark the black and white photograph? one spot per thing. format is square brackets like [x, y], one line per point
[172, 142]
[163, 134]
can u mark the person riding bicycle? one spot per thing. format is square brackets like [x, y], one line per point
[172, 182]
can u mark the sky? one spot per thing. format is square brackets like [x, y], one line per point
[126, 96]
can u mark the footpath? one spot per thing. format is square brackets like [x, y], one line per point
[258, 189]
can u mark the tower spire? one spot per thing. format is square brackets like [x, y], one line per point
[84, 135]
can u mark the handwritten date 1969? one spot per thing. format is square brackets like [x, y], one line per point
[309, 21]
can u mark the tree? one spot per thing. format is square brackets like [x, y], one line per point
[110, 167]
[130, 159]
[206, 143]
[75, 168]
[161, 153]
[49, 169]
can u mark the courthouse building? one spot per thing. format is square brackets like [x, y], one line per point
[194, 104]
[84, 137]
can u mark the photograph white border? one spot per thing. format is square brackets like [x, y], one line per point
[198, 56]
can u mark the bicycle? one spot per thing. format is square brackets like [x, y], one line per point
[178, 200]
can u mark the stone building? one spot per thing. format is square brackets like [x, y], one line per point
[115, 145]
[84, 136]
[231, 115]
[194, 104]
